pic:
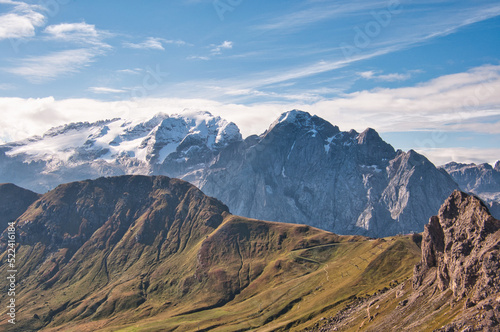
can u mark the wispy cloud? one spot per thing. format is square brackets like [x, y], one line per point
[153, 43]
[6, 86]
[38, 69]
[77, 33]
[319, 11]
[392, 77]
[217, 49]
[21, 21]
[198, 57]
[214, 51]
[105, 90]
[135, 71]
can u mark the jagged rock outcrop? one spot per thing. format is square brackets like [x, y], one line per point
[461, 252]
[13, 202]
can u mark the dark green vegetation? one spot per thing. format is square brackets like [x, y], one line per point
[138, 253]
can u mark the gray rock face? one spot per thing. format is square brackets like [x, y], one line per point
[305, 170]
[482, 179]
[302, 169]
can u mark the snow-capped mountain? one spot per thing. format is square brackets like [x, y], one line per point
[302, 169]
[305, 170]
[173, 144]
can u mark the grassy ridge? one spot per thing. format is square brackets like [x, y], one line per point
[155, 254]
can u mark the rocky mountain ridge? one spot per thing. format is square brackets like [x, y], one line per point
[305, 170]
[302, 169]
[480, 179]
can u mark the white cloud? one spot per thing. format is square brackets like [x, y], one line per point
[441, 156]
[321, 11]
[105, 90]
[79, 33]
[214, 50]
[217, 49]
[21, 22]
[198, 57]
[149, 44]
[134, 71]
[6, 86]
[153, 43]
[38, 69]
[392, 77]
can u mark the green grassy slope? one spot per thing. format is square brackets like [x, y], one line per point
[155, 254]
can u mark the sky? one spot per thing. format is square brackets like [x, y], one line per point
[424, 74]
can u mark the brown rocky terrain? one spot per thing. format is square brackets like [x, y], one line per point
[455, 287]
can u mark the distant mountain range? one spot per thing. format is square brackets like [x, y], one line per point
[301, 170]
[139, 253]
[482, 179]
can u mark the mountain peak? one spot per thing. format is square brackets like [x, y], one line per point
[369, 134]
[294, 116]
[14, 201]
[312, 124]
[497, 166]
[454, 247]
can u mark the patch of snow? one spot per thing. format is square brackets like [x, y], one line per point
[283, 172]
[313, 131]
[289, 153]
[373, 168]
[166, 151]
[328, 143]
[269, 190]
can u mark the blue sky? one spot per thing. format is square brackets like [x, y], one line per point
[425, 74]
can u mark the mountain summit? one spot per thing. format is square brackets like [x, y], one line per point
[302, 169]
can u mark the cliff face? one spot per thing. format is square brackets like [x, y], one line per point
[304, 170]
[461, 252]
